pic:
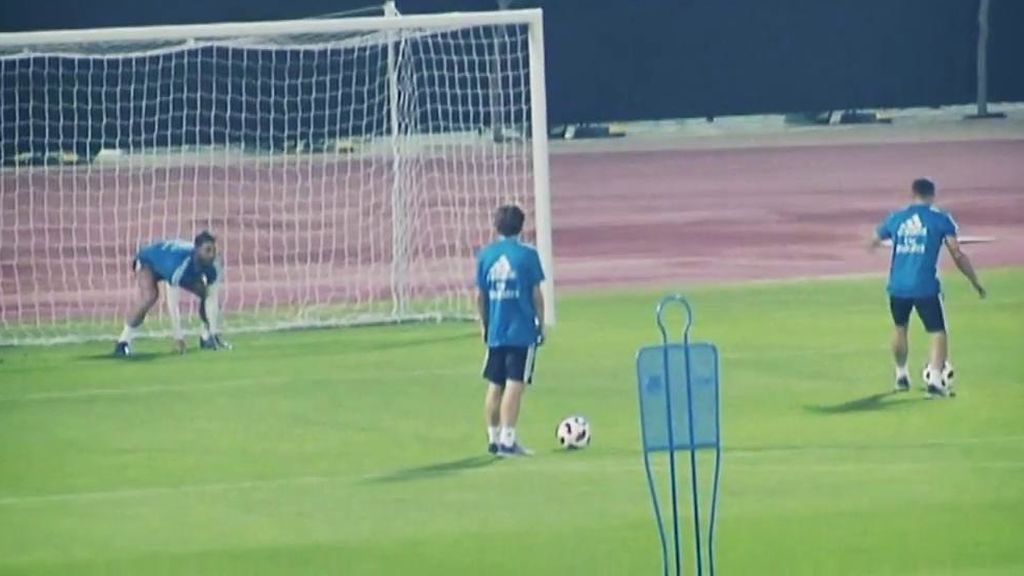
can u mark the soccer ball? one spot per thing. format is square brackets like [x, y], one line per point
[573, 433]
[947, 375]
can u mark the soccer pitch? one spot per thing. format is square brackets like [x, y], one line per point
[362, 451]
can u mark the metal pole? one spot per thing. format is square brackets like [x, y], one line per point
[399, 224]
[496, 98]
[541, 167]
[982, 111]
[982, 55]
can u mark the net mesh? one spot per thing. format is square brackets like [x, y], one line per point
[349, 178]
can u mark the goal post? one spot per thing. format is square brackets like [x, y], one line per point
[349, 166]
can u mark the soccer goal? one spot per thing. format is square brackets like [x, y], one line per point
[349, 167]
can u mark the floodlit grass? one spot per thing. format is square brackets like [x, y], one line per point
[360, 451]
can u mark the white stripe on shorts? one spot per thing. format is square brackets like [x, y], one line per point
[531, 358]
[942, 309]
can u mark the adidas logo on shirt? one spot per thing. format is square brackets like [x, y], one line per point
[911, 236]
[912, 227]
[502, 279]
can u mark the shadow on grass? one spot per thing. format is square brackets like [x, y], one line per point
[135, 357]
[870, 403]
[437, 470]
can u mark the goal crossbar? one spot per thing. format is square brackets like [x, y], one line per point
[532, 17]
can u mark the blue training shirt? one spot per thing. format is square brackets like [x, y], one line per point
[508, 271]
[917, 233]
[173, 261]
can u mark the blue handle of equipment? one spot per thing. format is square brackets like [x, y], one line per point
[678, 299]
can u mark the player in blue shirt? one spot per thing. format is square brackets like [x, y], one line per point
[918, 233]
[511, 307]
[191, 266]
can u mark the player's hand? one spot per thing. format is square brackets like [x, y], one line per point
[483, 333]
[179, 346]
[981, 291]
[541, 337]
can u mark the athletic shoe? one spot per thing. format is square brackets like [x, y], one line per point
[938, 391]
[492, 448]
[122, 350]
[213, 343]
[903, 384]
[513, 451]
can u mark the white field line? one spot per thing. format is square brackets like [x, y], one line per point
[537, 465]
[160, 388]
[126, 391]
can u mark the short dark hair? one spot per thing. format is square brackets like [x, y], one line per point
[204, 237]
[924, 187]
[508, 220]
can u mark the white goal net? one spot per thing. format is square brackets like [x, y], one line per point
[348, 167]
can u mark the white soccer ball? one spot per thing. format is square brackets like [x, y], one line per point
[573, 433]
[947, 375]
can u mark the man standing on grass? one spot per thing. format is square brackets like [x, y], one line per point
[918, 233]
[511, 308]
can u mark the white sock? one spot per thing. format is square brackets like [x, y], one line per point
[127, 335]
[936, 376]
[205, 335]
[492, 434]
[901, 372]
[508, 436]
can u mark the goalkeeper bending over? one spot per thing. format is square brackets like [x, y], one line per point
[183, 265]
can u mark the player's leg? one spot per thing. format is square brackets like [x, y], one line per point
[511, 401]
[147, 294]
[494, 374]
[933, 316]
[492, 415]
[900, 309]
[519, 367]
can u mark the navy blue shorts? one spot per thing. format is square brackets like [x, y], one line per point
[139, 263]
[929, 310]
[510, 363]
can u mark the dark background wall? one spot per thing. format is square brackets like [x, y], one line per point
[632, 59]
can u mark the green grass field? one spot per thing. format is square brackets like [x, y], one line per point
[359, 451]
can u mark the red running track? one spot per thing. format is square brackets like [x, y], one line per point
[770, 213]
[620, 218]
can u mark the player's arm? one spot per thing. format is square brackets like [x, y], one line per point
[174, 311]
[538, 297]
[874, 242]
[538, 305]
[483, 303]
[209, 313]
[209, 308]
[963, 263]
[483, 309]
[879, 236]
